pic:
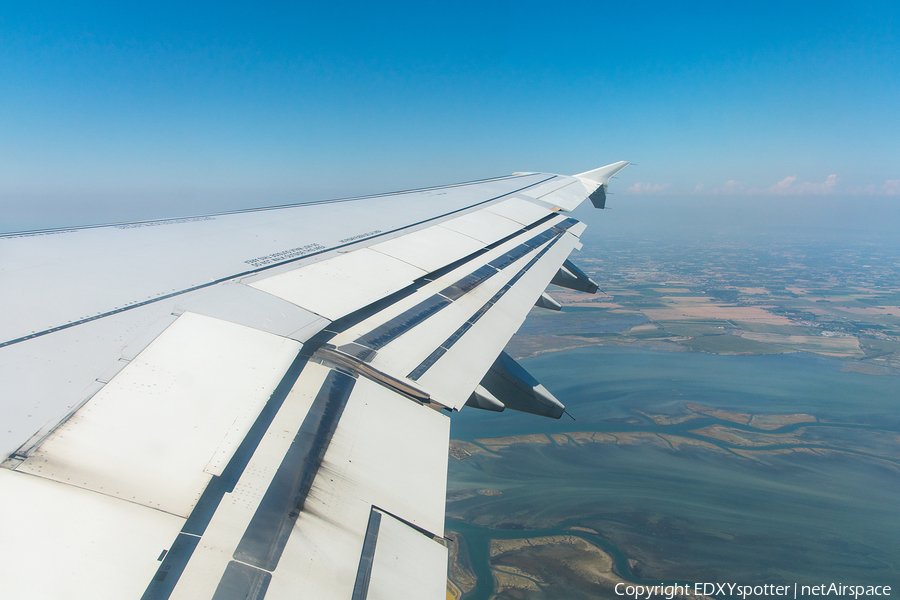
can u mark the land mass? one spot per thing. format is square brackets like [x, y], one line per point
[567, 564]
[731, 300]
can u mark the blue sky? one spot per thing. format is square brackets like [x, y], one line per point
[113, 111]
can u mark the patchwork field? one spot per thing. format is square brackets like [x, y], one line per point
[728, 302]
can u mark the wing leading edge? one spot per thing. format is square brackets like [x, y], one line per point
[269, 415]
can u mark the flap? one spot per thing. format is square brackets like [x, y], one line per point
[169, 421]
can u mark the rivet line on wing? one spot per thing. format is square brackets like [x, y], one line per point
[241, 274]
[57, 230]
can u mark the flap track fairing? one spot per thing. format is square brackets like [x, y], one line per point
[483, 399]
[545, 301]
[513, 387]
[570, 276]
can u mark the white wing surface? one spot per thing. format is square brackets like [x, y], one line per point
[256, 404]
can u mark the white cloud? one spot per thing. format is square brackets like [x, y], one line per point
[783, 185]
[729, 187]
[647, 188]
[891, 187]
[787, 186]
[790, 187]
[869, 190]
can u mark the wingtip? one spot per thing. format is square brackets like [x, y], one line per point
[601, 175]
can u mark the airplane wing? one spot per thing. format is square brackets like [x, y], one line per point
[255, 404]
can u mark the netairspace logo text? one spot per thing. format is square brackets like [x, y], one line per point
[650, 592]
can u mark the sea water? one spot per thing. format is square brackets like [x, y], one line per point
[697, 513]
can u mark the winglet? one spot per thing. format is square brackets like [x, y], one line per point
[597, 180]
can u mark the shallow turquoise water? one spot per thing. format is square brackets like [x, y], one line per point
[599, 384]
[694, 514]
